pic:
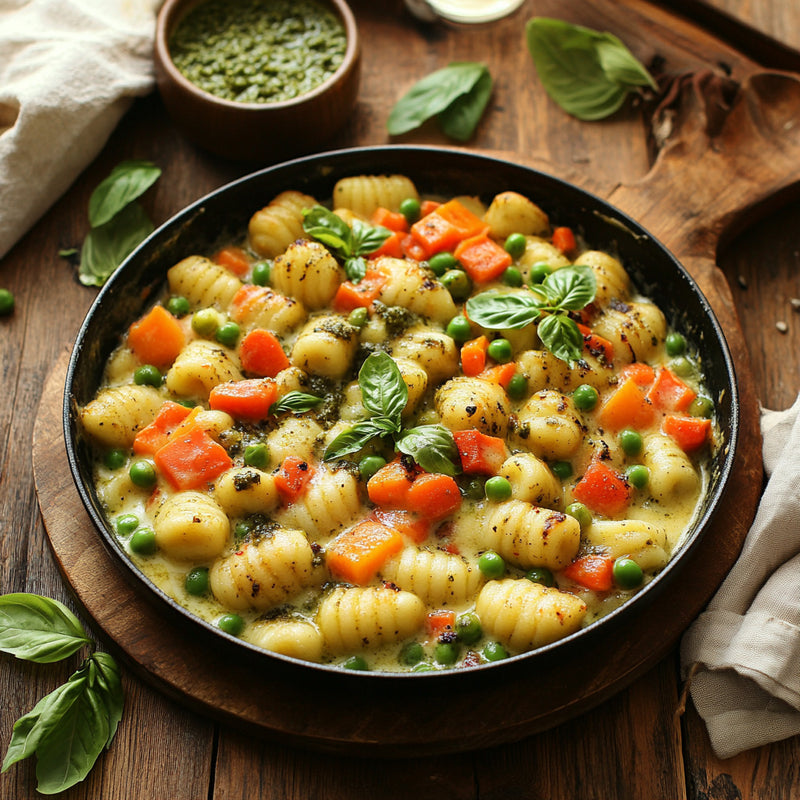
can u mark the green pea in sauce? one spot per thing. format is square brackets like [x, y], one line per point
[258, 51]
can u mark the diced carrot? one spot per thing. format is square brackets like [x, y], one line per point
[157, 337]
[412, 248]
[405, 522]
[592, 571]
[602, 490]
[359, 295]
[427, 206]
[598, 346]
[292, 478]
[439, 622]
[480, 454]
[690, 433]
[446, 226]
[640, 373]
[393, 220]
[244, 299]
[483, 258]
[500, 374]
[392, 246]
[389, 486]
[234, 259]
[473, 356]
[357, 554]
[246, 400]
[192, 460]
[155, 435]
[433, 496]
[669, 392]
[626, 407]
[187, 423]
[564, 239]
[262, 354]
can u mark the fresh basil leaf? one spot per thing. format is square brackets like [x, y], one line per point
[107, 681]
[39, 629]
[127, 181]
[328, 228]
[433, 94]
[461, 117]
[560, 335]
[383, 390]
[432, 447]
[571, 288]
[589, 74]
[296, 402]
[388, 425]
[107, 246]
[503, 311]
[368, 238]
[355, 268]
[351, 440]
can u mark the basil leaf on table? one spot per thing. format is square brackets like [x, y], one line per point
[432, 447]
[39, 629]
[435, 94]
[296, 402]
[383, 390]
[560, 335]
[589, 74]
[127, 181]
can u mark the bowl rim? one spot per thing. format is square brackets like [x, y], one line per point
[612, 216]
[172, 13]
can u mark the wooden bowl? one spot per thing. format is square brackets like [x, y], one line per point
[257, 132]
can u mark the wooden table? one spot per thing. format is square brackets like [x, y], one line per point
[634, 745]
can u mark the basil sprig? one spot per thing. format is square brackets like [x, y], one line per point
[348, 243]
[456, 95]
[384, 394]
[296, 402]
[566, 289]
[589, 74]
[68, 728]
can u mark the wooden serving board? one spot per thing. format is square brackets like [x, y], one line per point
[732, 149]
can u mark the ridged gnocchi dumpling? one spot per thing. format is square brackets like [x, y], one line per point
[364, 194]
[548, 425]
[190, 526]
[116, 415]
[325, 346]
[308, 272]
[464, 403]
[277, 225]
[203, 283]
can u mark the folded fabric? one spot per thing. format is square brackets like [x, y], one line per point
[68, 71]
[742, 654]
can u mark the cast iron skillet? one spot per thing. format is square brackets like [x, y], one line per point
[223, 215]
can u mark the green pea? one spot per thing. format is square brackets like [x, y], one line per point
[541, 575]
[125, 524]
[457, 283]
[627, 573]
[441, 262]
[497, 489]
[539, 271]
[682, 366]
[468, 628]
[206, 321]
[256, 455]
[515, 244]
[491, 565]
[702, 407]
[358, 317]
[115, 458]
[228, 334]
[261, 272]
[196, 581]
[630, 441]
[446, 653]
[358, 663]
[410, 209]
[494, 651]
[6, 303]
[517, 386]
[148, 375]
[500, 350]
[581, 513]
[475, 489]
[459, 329]
[411, 653]
[585, 397]
[142, 474]
[369, 465]
[143, 542]
[638, 475]
[178, 306]
[231, 623]
[511, 277]
[561, 469]
[675, 344]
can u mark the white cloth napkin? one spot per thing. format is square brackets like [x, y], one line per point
[68, 71]
[742, 654]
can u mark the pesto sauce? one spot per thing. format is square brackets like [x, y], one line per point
[258, 51]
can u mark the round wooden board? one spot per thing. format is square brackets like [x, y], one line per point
[299, 709]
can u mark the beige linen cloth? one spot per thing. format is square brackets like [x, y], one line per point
[742, 654]
[68, 71]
